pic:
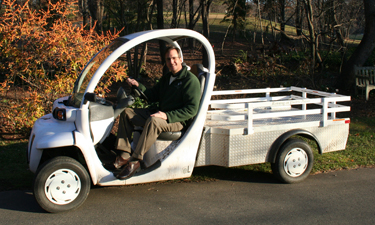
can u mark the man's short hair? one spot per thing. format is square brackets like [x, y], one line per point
[170, 48]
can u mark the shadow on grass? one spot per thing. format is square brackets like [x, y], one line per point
[15, 178]
[15, 173]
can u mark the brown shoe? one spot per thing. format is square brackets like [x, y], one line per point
[119, 162]
[128, 171]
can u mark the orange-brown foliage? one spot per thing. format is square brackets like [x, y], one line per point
[45, 59]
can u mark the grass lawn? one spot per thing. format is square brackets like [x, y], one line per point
[13, 165]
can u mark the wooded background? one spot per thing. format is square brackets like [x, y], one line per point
[326, 26]
[45, 44]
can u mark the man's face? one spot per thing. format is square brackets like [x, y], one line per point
[174, 62]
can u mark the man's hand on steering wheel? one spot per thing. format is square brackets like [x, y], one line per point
[135, 88]
[132, 82]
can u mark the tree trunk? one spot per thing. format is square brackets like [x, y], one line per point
[312, 36]
[261, 26]
[191, 14]
[193, 18]
[282, 18]
[96, 8]
[229, 26]
[84, 9]
[160, 23]
[140, 56]
[205, 7]
[299, 18]
[150, 13]
[175, 6]
[364, 49]
[206, 4]
[234, 22]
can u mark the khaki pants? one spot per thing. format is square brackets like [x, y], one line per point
[152, 127]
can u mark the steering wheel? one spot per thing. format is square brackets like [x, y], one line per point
[139, 92]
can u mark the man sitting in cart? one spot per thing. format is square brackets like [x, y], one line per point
[178, 96]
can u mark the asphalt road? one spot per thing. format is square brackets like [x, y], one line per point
[342, 197]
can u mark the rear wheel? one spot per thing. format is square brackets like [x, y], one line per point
[294, 161]
[61, 184]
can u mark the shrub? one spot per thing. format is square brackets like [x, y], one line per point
[42, 59]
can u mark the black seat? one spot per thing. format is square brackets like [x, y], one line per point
[197, 70]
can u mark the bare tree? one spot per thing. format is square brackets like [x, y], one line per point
[175, 6]
[194, 14]
[205, 7]
[282, 4]
[133, 16]
[312, 35]
[96, 8]
[236, 16]
[260, 24]
[160, 24]
[299, 17]
[85, 12]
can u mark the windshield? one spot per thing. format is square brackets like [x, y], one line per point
[84, 78]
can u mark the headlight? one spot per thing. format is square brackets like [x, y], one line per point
[59, 114]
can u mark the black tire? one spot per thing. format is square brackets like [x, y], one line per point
[61, 184]
[294, 161]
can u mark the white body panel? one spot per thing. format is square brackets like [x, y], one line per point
[48, 133]
[101, 129]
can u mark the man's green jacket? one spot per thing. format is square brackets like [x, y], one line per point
[180, 99]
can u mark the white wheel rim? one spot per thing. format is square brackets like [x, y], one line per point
[62, 186]
[295, 162]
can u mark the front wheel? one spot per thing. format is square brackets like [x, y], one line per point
[294, 161]
[61, 184]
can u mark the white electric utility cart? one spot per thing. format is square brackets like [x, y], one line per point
[69, 149]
